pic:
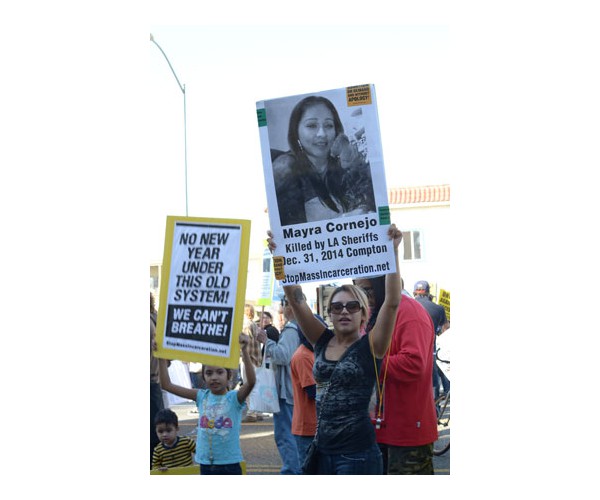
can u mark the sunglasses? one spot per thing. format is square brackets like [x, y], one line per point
[352, 307]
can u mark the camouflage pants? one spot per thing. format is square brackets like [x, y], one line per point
[407, 459]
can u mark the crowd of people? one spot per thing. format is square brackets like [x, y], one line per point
[361, 392]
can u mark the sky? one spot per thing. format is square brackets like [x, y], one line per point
[226, 69]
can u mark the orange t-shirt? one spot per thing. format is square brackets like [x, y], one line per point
[304, 419]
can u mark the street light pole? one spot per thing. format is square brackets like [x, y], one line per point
[182, 87]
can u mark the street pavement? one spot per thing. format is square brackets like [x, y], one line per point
[258, 443]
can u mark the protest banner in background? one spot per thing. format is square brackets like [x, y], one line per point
[204, 273]
[444, 301]
[268, 280]
[325, 184]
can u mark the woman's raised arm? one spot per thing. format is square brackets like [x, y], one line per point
[386, 318]
[311, 327]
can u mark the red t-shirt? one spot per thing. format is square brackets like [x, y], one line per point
[408, 409]
[304, 419]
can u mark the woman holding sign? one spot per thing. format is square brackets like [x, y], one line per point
[346, 370]
[323, 176]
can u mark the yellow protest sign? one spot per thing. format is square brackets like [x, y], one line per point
[268, 280]
[445, 302]
[204, 273]
[189, 470]
[177, 471]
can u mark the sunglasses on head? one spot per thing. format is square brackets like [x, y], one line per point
[351, 306]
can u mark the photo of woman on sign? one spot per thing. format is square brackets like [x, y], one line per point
[323, 175]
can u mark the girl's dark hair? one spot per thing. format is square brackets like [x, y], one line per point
[166, 416]
[228, 370]
[303, 166]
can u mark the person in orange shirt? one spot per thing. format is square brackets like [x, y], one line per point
[304, 419]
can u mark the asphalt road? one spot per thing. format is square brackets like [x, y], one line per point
[258, 444]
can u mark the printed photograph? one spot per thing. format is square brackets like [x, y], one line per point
[320, 159]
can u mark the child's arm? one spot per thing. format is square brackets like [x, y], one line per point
[167, 385]
[193, 451]
[311, 327]
[246, 388]
[155, 460]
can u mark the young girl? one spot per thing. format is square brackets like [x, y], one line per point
[218, 448]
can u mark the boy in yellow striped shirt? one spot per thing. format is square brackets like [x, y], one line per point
[173, 450]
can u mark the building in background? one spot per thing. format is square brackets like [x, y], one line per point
[423, 215]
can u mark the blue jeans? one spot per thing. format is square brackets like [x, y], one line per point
[368, 461]
[444, 380]
[225, 469]
[435, 376]
[302, 443]
[286, 444]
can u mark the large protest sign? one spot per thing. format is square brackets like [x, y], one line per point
[325, 184]
[202, 300]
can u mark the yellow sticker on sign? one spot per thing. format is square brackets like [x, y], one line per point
[445, 302]
[278, 268]
[358, 95]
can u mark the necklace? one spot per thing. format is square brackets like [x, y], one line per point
[208, 428]
[208, 433]
[380, 386]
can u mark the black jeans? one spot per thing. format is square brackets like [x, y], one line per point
[226, 469]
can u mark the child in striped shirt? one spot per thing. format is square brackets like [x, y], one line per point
[172, 450]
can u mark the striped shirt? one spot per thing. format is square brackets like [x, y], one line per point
[179, 455]
[254, 346]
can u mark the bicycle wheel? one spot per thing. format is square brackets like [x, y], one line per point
[442, 408]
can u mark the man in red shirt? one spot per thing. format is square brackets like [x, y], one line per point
[408, 426]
